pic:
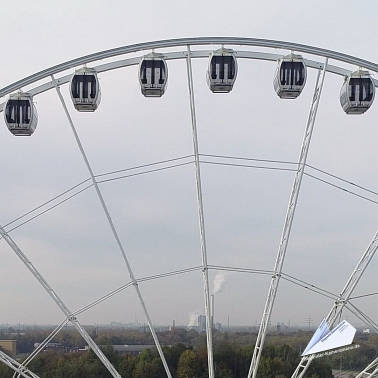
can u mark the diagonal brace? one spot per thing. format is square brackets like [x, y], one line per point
[287, 225]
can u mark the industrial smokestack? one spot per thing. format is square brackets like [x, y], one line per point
[212, 311]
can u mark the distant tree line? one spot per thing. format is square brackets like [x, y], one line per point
[187, 357]
[231, 361]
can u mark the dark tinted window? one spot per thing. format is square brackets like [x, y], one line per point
[84, 86]
[162, 73]
[225, 65]
[292, 73]
[360, 89]
[155, 69]
[18, 111]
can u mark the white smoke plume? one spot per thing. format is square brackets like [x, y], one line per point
[218, 282]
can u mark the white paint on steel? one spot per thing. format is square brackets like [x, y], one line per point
[338, 306]
[199, 41]
[370, 371]
[174, 55]
[182, 55]
[113, 229]
[205, 271]
[14, 365]
[362, 316]
[287, 226]
[41, 346]
[54, 296]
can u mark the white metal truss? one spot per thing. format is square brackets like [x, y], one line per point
[362, 316]
[370, 371]
[205, 270]
[266, 56]
[287, 225]
[41, 346]
[338, 306]
[15, 365]
[114, 231]
[199, 41]
[187, 42]
[54, 296]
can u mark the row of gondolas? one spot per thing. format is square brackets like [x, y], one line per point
[356, 96]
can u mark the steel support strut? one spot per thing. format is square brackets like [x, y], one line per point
[199, 41]
[288, 224]
[54, 296]
[105, 67]
[205, 271]
[337, 308]
[14, 365]
[362, 316]
[370, 371]
[41, 346]
[113, 229]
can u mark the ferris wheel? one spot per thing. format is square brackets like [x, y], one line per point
[356, 97]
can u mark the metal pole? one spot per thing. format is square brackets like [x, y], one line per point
[370, 371]
[287, 226]
[14, 365]
[41, 346]
[344, 297]
[54, 296]
[212, 311]
[209, 334]
[114, 231]
[362, 316]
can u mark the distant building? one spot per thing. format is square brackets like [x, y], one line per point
[58, 347]
[9, 346]
[202, 323]
[172, 327]
[132, 349]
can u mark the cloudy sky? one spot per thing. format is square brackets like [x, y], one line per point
[156, 214]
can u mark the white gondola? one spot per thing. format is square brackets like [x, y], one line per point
[222, 70]
[291, 75]
[20, 114]
[357, 92]
[153, 75]
[85, 90]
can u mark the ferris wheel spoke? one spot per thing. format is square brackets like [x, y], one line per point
[58, 301]
[205, 269]
[344, 297]
[114, 231]
[287, 226]
[370, 371]
[16, 366]
[356, 97]
[41, 346]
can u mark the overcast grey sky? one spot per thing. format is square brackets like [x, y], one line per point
[156, 214]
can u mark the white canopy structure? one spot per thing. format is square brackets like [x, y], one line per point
[324, 339]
